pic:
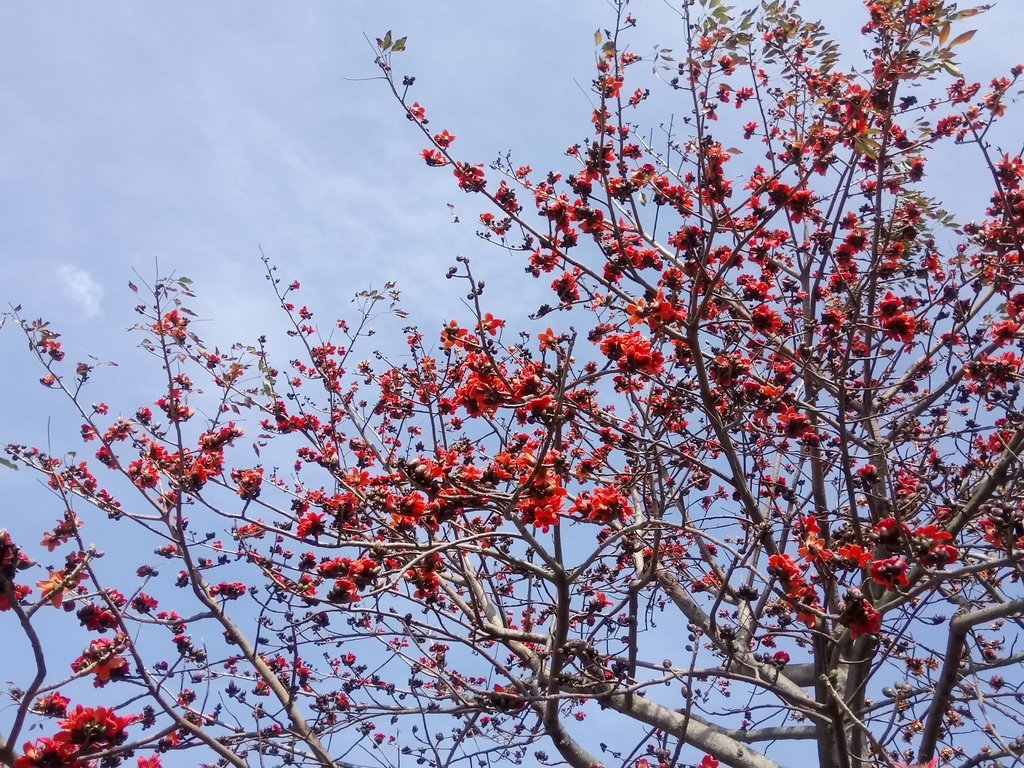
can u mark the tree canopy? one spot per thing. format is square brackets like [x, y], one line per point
[744, 485]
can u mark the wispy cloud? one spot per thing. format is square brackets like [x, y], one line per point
[81, 288]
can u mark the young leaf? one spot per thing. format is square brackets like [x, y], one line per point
[952, 68]
[966, 13]
[961, 39]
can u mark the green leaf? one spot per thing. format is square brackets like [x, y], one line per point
[961, 39]
[399, 44]
[9, 464]
[966, 13]
[386, 42]
[866, 146]
[597, 37]
[952, 68]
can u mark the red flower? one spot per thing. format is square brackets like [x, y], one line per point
[565, 287]
[542, 499]
[766, 320]
[634, 353]
[103, 659]
[454, 336]
[175, 407]
[89, 727]
[311, 525]
[604, 506]
[902, 327]
[813, 547]
[725, 369]
[344, 591]
[53, 705]
[249, 482]
[144, 603]
[890, 572]
[409, 509]
[1005, 331]
[491, 324]
[860, 615]
[56, 584]
[444, 139]
[856, 554]
[889, 533]
[418, 113]
[229, 590]
[434, 158]
[542, 511]
[96, 618]
[793, 423]
[144, 473]
[48, 753]
[932, 546]
[547, 339]
[800, 204]
[471, 177]
[20, 591]
[789, 575]
[173, 324]
[482, 393]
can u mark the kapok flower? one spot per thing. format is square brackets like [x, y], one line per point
[90, 727]
[890, 572]
[57, 584]
[933, 547]
[417, 112]
[103, 659]
[48, 753]
[443, 139]
[859, 615]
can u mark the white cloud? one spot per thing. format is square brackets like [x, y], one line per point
[82, 289]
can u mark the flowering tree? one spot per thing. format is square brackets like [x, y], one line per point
[754, 493]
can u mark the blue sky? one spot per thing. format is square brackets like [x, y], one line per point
[196, 134]
[192, 134]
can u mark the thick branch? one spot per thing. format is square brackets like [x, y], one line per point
[771, 678]
[690, 729]
[8, 745]
[777, 733]
[950, 673]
